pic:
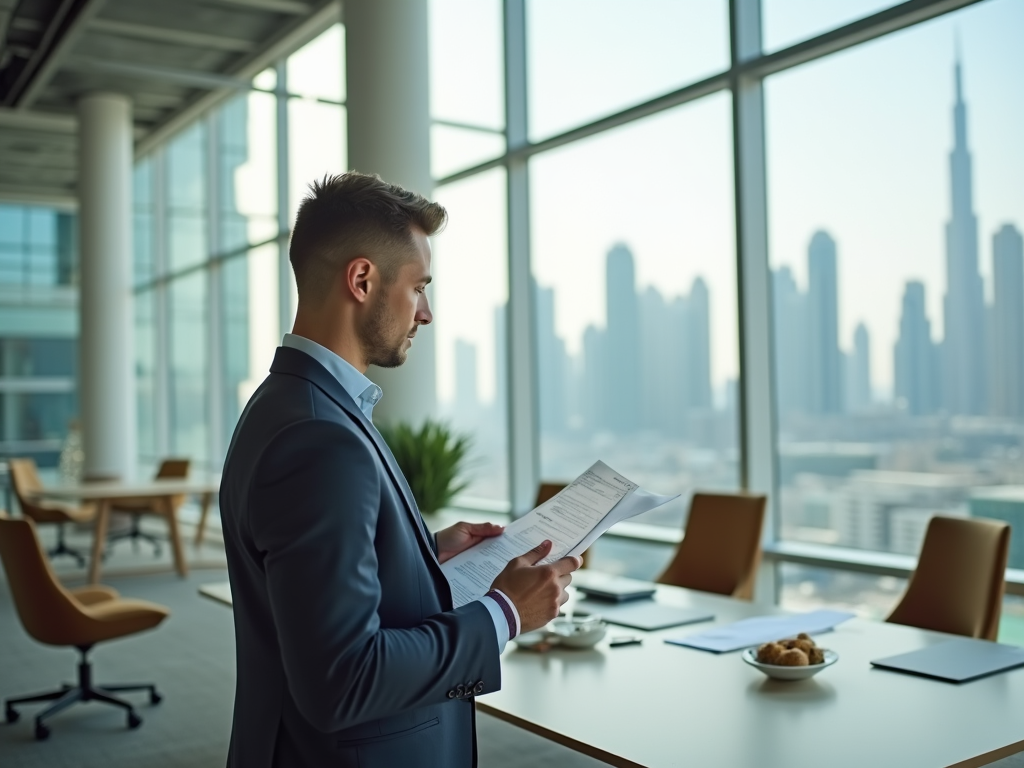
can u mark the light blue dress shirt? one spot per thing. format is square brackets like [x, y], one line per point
[367, 394]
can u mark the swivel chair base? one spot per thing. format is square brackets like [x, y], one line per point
[135, 533]
[84, 691]
[63, 549]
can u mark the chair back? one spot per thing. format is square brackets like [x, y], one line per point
[45, 607]
[173, 469]
[25, 480]
[721, 547]
[958, 584]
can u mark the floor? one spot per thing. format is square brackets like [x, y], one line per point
[191, 659]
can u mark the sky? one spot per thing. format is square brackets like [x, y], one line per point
[857, 144]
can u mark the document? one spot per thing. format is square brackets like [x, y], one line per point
[572, 520]
[761, 629]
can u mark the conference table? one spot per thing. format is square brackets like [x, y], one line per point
[657, 705]
[159, 492]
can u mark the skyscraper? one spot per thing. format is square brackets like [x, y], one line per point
[963, 352]
[791, 341]
[825, 365]
[697, 362]
[595, 384]
[858, 371]
[915, 355]
[552, 364]
[1007, 364]
[622, 342]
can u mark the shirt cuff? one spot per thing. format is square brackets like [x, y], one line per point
[498, 617]
[512, 609]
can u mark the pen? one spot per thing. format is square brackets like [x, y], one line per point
[618, 642]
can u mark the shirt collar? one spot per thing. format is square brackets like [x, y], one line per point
[361, 389]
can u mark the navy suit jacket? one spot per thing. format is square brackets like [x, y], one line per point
[348, 650]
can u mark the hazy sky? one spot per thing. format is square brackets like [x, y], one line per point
[857, 144]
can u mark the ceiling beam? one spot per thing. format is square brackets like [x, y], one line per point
[182, 37]
[290, 38]
[37, 121]
[58, 52]
[193, 78]
[292, 7]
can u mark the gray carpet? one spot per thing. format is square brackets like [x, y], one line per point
[191, 659]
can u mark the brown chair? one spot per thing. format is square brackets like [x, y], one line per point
[721, 547]
[170, 469]
[957, 586]
[79, 617]
[25, 481]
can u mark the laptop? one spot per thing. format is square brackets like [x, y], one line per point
[616, 589]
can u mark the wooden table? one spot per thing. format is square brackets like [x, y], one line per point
[160, 492]
[663, 706]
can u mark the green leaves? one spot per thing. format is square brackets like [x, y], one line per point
[432, 459]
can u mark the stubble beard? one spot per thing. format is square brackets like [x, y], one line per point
[383, 339]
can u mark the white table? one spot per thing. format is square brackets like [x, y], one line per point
[159, 492]
[662, 706]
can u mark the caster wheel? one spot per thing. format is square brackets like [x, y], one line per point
[11, 715]
[155, 698]
[42, 732]
[134, 721]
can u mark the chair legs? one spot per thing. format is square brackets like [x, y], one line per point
[84, 691]
[135, 533]
[63, 549]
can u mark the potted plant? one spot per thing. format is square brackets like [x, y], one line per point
[432, 458]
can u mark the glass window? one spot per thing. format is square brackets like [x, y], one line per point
[247, 158]
[785, 22]
[143, 225]
[317, 146]
[25, 358]
[467, 88]
[317, 70]
[806, 588]
[36, 417]
[635, 305]
[187, 183]
[591, 58]
[188, 367]
[470, 294]
[895, 217]
[146, 373]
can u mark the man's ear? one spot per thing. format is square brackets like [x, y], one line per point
[359, 277]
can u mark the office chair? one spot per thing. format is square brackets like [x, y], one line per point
[721, 546]
[170, 469]
[81, 617]
[958, 584]
[25, 480]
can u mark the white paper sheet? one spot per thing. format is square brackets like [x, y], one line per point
[572, 520]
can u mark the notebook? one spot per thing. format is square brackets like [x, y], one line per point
[956, 661]
[605, 586]
[645, 614]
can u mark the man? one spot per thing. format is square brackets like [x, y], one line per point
[348, 650]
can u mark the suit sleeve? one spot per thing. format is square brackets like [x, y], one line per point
[313, 513]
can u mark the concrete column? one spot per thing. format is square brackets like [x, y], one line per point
[388, 105]
[106, 377]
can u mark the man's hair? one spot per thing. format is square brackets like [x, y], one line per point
[356, 214]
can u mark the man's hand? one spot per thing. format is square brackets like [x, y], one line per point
[461, 536]
[538, 591]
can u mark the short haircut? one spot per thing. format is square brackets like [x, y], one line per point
[355, 214]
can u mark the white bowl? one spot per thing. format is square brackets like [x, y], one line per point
[779, 672]
[578, 633]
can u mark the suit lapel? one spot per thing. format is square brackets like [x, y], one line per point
[297, 363]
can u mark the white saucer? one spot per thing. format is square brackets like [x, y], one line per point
[778, 672]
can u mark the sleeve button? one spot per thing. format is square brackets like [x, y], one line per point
[451, 694]
[479, 688]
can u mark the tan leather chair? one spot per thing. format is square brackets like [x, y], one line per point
[79, 617]
[721, 547]
[25, 480]
[170, 469]
[958, 584]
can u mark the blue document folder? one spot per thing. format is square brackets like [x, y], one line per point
[956, 661]
[761, 629]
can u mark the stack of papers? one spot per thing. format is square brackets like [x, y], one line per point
[761, 629]
[572, 520]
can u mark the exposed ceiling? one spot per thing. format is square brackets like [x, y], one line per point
[174, 58]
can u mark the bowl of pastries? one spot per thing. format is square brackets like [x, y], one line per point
[796, 658]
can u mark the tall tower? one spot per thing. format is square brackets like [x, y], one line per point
[622, 342]
[858, 373]
[914, 356]
[1007, 370]
[552, 363]
[791, 342]
[824, 360]
[963, 353]
[698, 347]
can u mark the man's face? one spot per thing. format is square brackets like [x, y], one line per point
[399, 309]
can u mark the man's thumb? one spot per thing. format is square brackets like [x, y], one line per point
[538, 553]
